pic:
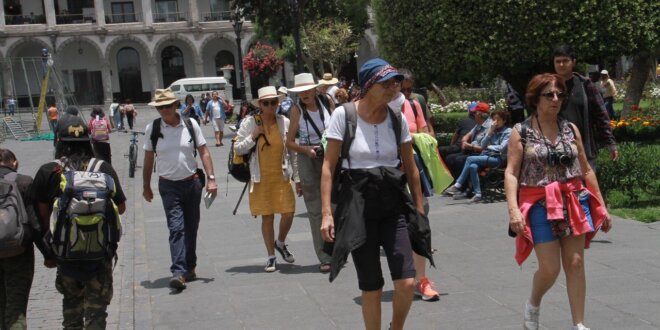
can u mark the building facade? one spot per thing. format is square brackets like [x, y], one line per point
[123, 49]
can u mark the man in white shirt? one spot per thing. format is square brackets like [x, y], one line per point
[179, 181]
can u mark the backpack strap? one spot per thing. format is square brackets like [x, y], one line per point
[155, 133]
[94, 165]
[414, 108]
[395, 116]
[11, 176]
[191, 131]
[351, 126]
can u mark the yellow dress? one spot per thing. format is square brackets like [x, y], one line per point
[273, 195]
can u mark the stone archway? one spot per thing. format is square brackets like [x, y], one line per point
[24, 70]
[172, 65]
[132, 74]
[81, 64]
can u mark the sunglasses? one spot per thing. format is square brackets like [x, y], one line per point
[552, 95]
[390, 82]
[406, 90]
[272, 103]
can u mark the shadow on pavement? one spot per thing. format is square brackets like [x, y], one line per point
[250, 269]
[296, 269]
[386, 297]
[156, 284]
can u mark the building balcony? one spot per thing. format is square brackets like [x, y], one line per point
[24, 19]
[63, 19]
[168, 17]
[124, 18]
[214, 16]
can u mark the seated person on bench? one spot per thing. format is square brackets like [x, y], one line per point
[470, 145]
[493, 155]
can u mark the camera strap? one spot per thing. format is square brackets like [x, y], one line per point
[308, 120]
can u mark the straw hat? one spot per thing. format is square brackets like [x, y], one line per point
[283, 90]
[303, 82]
[328, 79]
[163, 97]
[266, 93]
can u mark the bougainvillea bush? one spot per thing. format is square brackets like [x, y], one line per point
[262, 61]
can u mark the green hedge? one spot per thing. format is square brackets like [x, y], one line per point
[636, 173]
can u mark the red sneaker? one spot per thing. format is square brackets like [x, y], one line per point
[424, 289]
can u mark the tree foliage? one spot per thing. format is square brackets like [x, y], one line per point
[462, 41]
[275, 23]
[328, 42]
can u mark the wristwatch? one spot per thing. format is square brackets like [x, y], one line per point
[211, 177]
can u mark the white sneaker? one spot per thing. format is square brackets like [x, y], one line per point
[271, 265]
[580, 326]
[531, 315]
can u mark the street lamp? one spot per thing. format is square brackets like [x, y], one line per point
[237, 23]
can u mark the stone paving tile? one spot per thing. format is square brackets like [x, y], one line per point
[481, 285]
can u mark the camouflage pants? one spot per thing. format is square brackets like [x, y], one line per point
[16, 275]
[86, 300]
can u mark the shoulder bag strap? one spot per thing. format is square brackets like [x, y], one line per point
[155, 133]
[191, 131]
[349, 131]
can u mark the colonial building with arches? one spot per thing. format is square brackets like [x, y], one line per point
[124, 49]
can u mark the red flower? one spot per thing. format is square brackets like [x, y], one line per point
[262, 60]
[634, 107]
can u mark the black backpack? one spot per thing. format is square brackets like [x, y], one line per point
[156, 134]
[14, 229]
[238, 166]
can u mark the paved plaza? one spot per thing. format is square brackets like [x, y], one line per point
[482, 286]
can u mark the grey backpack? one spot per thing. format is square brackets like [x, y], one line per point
[14, 230]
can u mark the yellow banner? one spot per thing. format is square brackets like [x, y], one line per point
[42, 101]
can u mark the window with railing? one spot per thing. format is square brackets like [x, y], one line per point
[220, 11]
[25, 19]
[123, 12]
[168, 11]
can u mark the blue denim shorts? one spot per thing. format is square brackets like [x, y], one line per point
[540, 225]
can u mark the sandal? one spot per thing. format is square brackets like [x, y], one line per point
[325, 268]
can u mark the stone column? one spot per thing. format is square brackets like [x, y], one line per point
[153, 73]
[6, 77]
[2, 18]
[193, 16]
[99, 9]
[199, 67]
[51, 20]
[147, 14]
[107, 83]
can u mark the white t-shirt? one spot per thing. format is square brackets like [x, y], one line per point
[306, 133]
[374, 145]
[332, 91]
[176, 160]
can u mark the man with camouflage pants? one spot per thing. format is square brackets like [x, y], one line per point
[85, 285]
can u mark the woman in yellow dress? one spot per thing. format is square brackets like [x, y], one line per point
[272, 166]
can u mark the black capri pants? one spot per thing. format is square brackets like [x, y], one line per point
[392, 234]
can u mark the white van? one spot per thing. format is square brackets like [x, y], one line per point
[198, 86]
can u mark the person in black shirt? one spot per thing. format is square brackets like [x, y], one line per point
[86, 285]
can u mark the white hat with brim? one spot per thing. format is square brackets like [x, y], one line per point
[328, 79]
[604, 72]
[267, 93]
[163, 97]
[303, 82]
[283, 90]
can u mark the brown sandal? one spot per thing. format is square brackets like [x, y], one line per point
[324, 268]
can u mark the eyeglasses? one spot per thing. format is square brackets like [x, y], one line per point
[552, 95]
[266, 103]
[390, 82]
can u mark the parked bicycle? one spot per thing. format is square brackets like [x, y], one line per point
[132, 152]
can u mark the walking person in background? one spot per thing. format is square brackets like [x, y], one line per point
[130, 112]
[191, 110]
[52, 117]
[115, 114]
[376, 207]
[309, 120]
[179, 181]
[271, 168]
[11, 106]
[17, 262]
[608, 90]
[286, 104]
[215, 112]
[584, 107]
[555, 204]
[100, 129]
